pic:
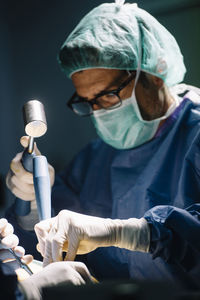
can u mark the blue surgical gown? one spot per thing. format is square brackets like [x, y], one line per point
[159, 180]
[9, 289]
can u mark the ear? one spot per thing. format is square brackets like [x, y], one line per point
[158, 81]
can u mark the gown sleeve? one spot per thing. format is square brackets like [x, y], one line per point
[175, 235]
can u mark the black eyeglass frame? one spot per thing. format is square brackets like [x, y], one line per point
[94, 100]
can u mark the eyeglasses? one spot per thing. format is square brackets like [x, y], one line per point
[106, 100]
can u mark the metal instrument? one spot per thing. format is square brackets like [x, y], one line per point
[35, 125]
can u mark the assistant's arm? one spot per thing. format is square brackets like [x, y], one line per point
[164, 231]
[175, 234]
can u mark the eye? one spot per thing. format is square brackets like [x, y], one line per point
[108, 100]
[108, 97]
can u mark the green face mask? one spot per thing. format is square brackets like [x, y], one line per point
[123, 127]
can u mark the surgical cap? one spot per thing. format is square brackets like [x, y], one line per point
[122, 36]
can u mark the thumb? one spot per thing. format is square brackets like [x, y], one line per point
[25, 141]
[73, 245]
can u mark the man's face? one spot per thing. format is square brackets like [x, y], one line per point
[89, 83]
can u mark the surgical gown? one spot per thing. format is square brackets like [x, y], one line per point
[9, 289]
[159, 180]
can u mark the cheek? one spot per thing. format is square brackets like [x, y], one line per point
[127, 92]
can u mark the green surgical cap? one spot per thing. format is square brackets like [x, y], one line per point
[122, 36]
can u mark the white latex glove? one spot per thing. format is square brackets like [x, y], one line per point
[18, 180]
[55, 274]
[10, 240]
[78, 234]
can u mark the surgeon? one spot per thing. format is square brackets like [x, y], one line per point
[130, 200]
[58, 273]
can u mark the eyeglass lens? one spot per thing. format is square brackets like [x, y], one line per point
[108, 101]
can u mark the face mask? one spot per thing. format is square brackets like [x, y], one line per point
[123, 127]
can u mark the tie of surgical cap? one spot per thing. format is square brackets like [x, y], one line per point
[112, 36]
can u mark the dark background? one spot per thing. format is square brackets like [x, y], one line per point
[31, 34]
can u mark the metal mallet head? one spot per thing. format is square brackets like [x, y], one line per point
[34, 118]
[35, 123]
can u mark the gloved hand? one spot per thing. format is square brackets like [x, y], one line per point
[18, 180]
[76, 233]
[54, 274]
[10, 240]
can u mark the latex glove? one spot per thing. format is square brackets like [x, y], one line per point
[54, 274]
[18, 180]
[78, 234]
[10, 240]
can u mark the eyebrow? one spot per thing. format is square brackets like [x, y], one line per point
[115, 82]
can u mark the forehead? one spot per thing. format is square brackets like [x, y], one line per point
[98, 78]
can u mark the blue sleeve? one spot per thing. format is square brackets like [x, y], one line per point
[175, 235]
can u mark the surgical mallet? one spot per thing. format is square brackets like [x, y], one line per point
[35, 126]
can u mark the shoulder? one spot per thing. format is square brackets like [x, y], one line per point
[190, 95]
[185, 89]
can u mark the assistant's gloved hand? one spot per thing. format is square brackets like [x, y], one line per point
[76, 233]
[10, 240]
[18, 180]
[55, 274]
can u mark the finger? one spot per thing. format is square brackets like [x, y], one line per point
[10, 241]
[8, 229]
[17, 168]
[27, 259]
[57, 247]
[14, 187]
[38, 248]
[47, 253]
[25, 142]
[22, 195]
[26, 178]
[25, 187]
[41, 245]
[15, 164]
[77, 279]
[8, 179]
[42, 230]
[53, 245]
[15, 161]
[19, 251]
[3, 223]
[73, 245]
[83, 270]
